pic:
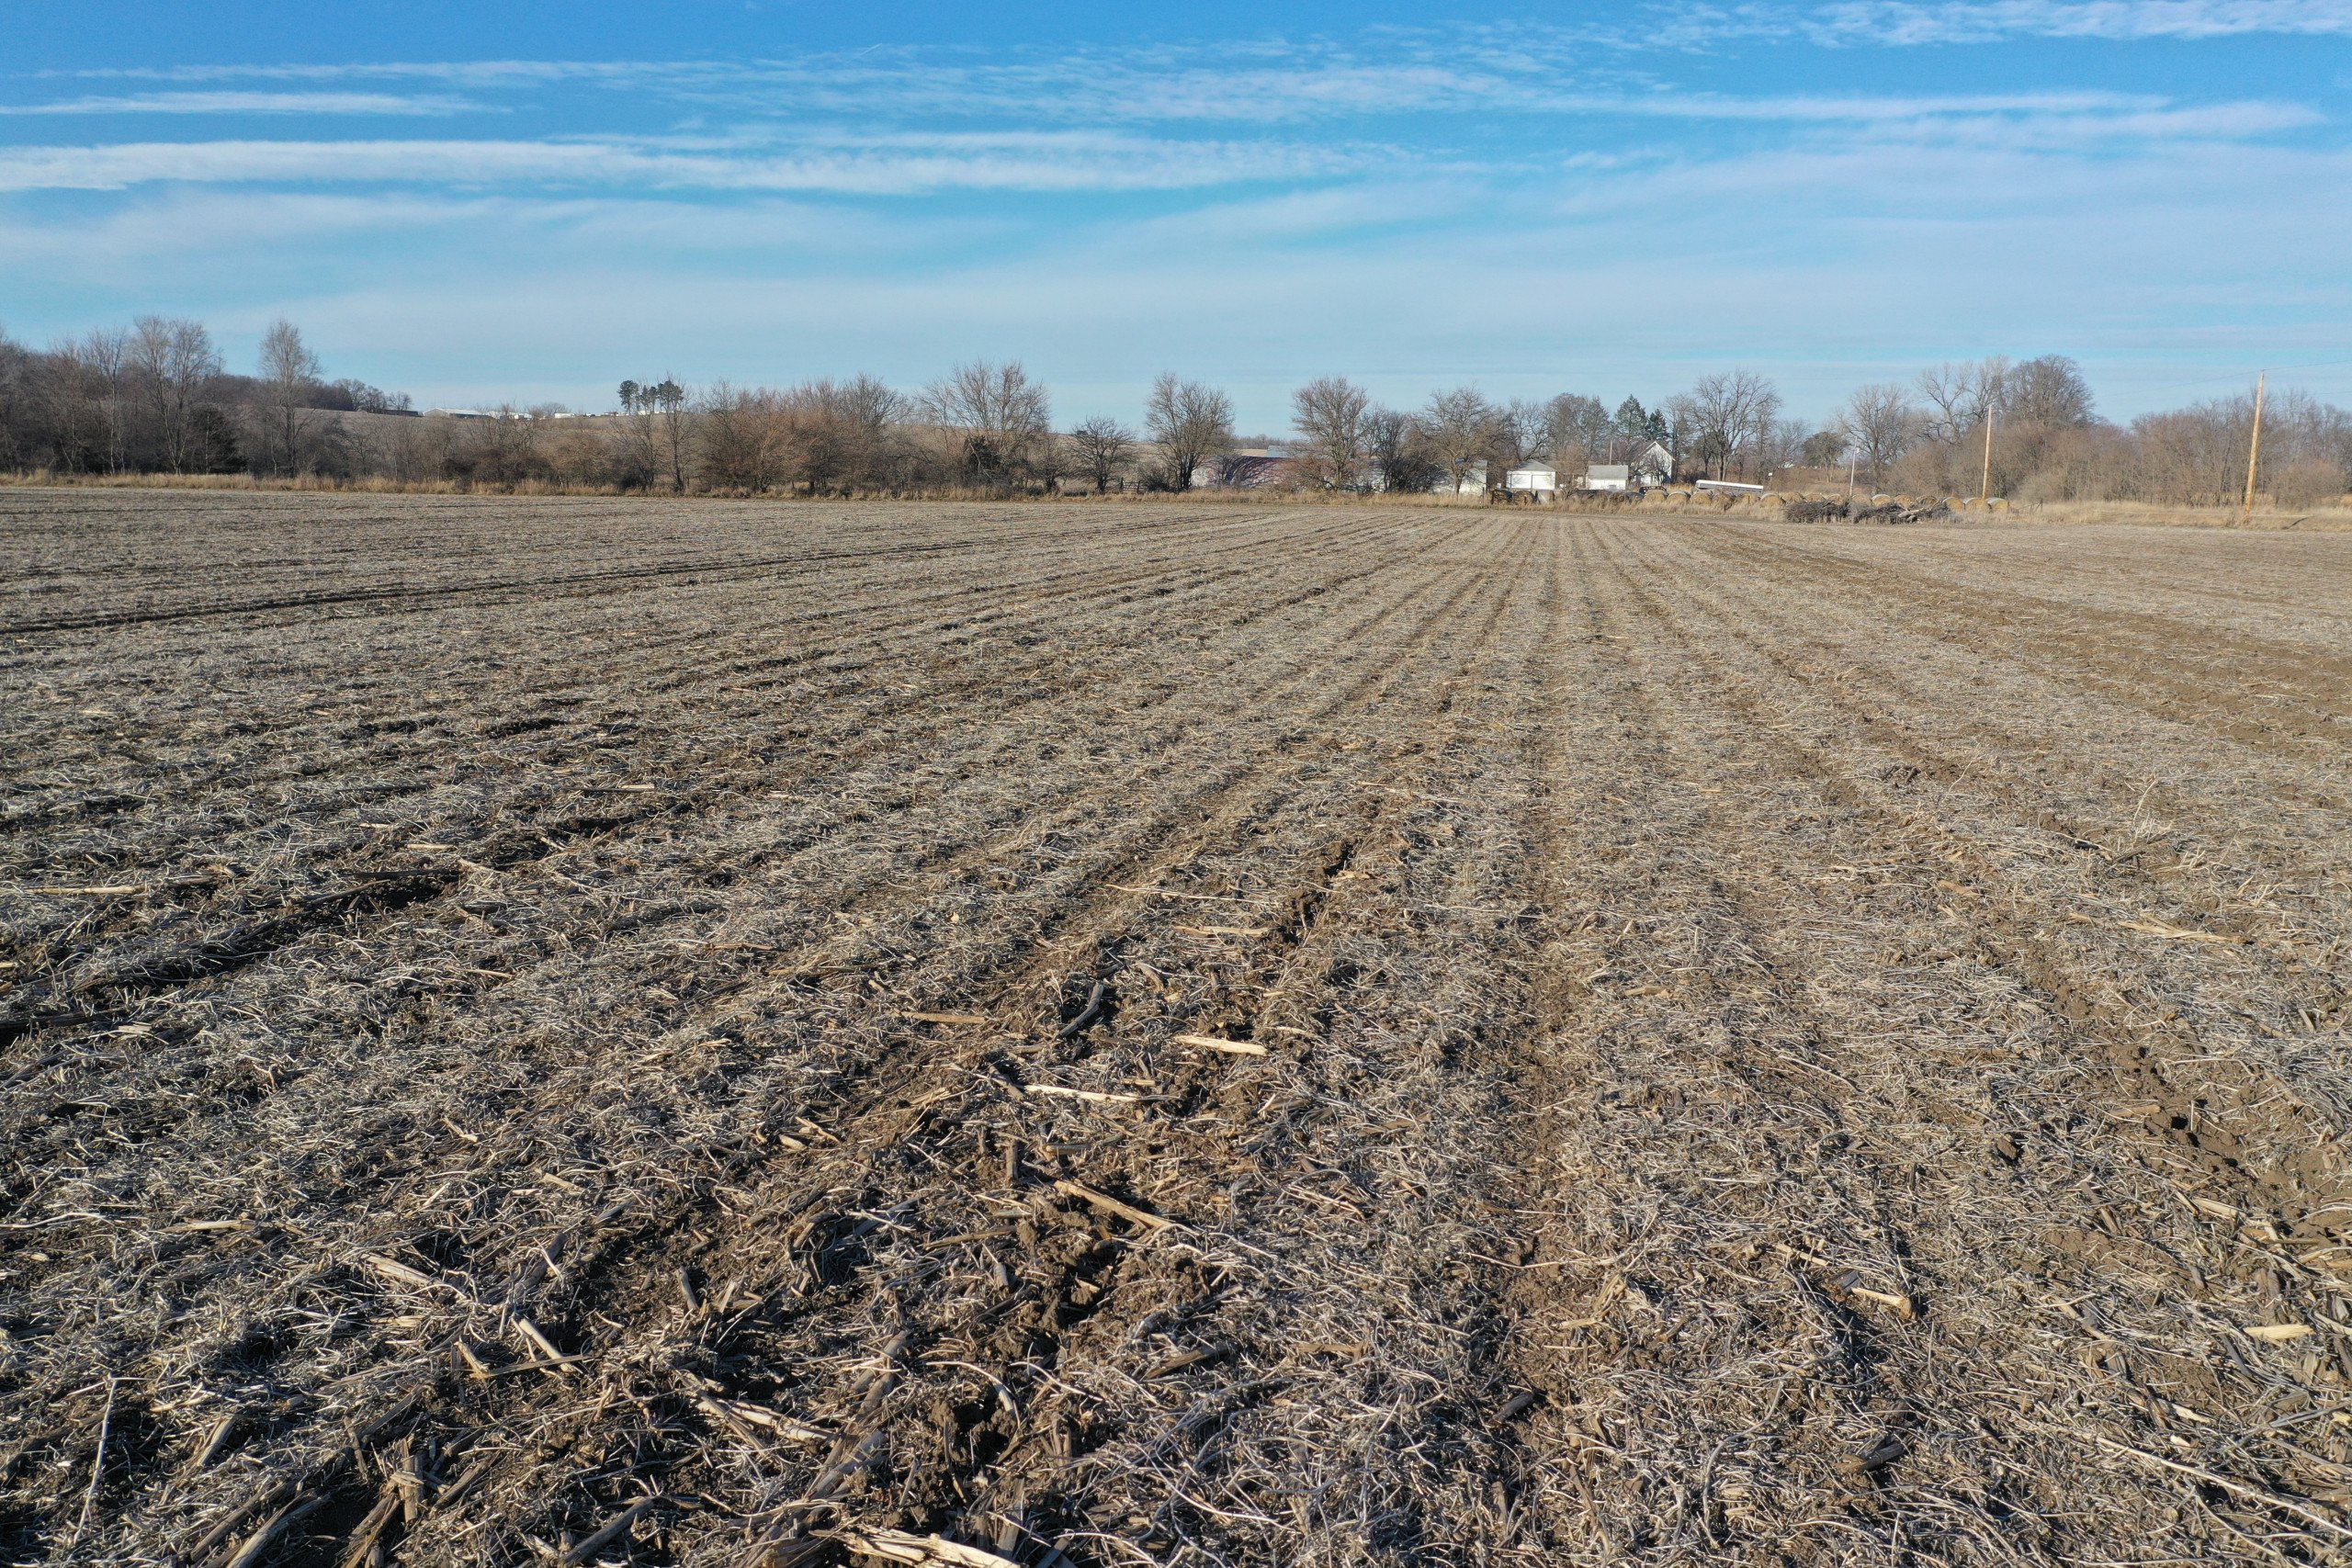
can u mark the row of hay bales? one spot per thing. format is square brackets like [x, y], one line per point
[1878, 509]
[1837, 506]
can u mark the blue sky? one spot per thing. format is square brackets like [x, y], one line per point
[529, 201]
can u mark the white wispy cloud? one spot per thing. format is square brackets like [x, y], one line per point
[1261, 81]
[905, 165]
[252, 103]
[1908, 22]
[197, 230]
[1459, 71]
[484, 72]
[2057, 119]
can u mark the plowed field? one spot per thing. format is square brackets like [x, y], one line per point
[570, 1032]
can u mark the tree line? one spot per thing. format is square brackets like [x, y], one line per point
[157, 398]
[2033, 430]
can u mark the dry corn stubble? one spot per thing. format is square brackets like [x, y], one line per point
[604, 1030]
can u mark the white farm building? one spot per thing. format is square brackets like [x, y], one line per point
[1654, 465]
[1539, 480]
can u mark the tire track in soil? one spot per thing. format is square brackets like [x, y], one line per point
[2301, 1172]
[721, 569]
[1082, 936]
[1804, 648]
[1924, 1375]
[854, 897]
[1613, 1057]
[418, 884]
[2129, 657]
[1427, 620]
[681, 808]
[694, 646]
[889, 1100]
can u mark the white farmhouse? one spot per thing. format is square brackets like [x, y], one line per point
[1654, 465]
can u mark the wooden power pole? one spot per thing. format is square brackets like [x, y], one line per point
[1984, 484]
[2253, 447]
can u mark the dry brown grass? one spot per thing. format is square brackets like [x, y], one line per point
[646, 1031]
[2324, 518]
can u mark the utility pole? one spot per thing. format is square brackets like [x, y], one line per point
[1984, 484]
[2254, 448]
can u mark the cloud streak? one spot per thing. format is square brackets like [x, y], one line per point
[1912, 22]
[896, 166]
[251, 103]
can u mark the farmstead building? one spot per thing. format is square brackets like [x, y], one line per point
[1540, 480]
[1654, 465]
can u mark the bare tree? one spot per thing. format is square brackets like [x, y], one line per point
[864, 410]
[1723, 419]
[103, 359]
[175, 361]
[1959, 394]
[1330, 415]
[1398, 451]
[659, 435]
[288, 373]
[16, 439]
[64, 406]
[1102, 447]
[504, 449]
[2198, 454]
[1002, 417]
[841, 435]
[1576, 430]
[739, 438]
[1460, 427]
[1192, 421]
[1780, 445]
[1522, 432]
[1824, 449]
[1879, 423]
[2050, 392]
